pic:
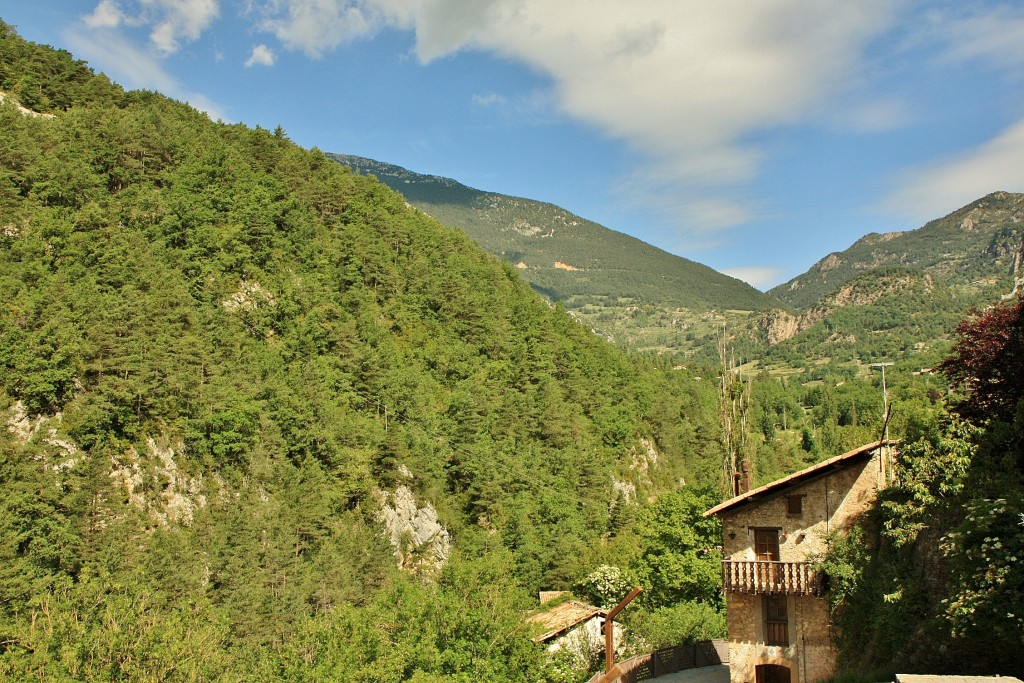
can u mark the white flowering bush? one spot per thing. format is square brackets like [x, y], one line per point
[605, 586]
[988, 550]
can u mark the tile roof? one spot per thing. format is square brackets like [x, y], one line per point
[560, 618]
[803, 475]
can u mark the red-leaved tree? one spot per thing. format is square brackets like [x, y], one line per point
[988, 359]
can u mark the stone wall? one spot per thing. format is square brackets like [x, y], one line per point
[831, 502]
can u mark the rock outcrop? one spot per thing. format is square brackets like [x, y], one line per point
[416, 534]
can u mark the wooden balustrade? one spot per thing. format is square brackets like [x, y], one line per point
[771, 578]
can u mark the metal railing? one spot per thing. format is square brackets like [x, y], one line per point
[772, 578]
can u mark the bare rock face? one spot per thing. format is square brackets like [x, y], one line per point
[154, 482]
[830, 262]
[62, 454]
[971, 220]
[779, 325]
[20, 425]
[248, 297]
[176, 496]
[417, 536]
[624, 490]
[24, 111]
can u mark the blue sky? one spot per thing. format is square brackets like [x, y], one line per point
[755, 136]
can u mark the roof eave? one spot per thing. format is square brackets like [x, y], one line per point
[779, 485]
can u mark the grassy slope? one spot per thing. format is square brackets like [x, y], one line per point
[606, 263]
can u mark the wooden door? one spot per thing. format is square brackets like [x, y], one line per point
[772, 673]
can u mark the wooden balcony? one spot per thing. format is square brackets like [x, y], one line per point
[772, 578]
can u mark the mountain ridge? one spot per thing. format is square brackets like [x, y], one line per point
[580, 257]
[983, 239]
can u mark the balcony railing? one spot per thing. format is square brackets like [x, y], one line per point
[772, 578]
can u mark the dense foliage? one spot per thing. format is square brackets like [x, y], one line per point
[934, 581]
[219, 353]
[988, 358]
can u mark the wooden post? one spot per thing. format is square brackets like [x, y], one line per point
[609, 629]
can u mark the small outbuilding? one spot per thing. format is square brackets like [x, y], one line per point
[573, 626]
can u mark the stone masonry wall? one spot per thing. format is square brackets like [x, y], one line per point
[831, 502]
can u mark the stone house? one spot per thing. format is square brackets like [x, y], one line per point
[573, 626]
[772, 538]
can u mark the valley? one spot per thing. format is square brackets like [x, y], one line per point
[265, 418]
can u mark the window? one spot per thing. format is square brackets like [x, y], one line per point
[776, 620]
[795, 505]
[766, 545]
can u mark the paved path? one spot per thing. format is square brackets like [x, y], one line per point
[706, 674]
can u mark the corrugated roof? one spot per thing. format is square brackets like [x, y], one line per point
[803, 475]
[560, 618]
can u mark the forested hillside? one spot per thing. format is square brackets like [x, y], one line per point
[627, 291]
[228, 364]
[564, 256]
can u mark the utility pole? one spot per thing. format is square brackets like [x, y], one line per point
[885, 397]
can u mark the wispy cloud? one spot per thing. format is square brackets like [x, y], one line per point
[106, 15]
[109, 51]
[535, 107]
[692, 88]
[882, 114]
[319, 26]
[177, 20]
[953, 182]
[261, 55]
[683, 84]
[761, 277]
[170, 21]
[488, 100]
[994, 35]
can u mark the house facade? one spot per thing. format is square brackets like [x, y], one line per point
[772, 540]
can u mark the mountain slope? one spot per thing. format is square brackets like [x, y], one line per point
[894, 294]
[260, 417]
[563, 255]
[976, 248]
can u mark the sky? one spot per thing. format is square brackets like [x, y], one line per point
[754, 136]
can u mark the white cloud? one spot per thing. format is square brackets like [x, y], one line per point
[531, 108]
[873, 116]
[488, 100]
[170, 21]
[179, 20]
[685, 84]
[106, 15]
[995, 35]
[318, 26]
[761, 277]
[261, 55]
[676, 80]
[951, 183]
